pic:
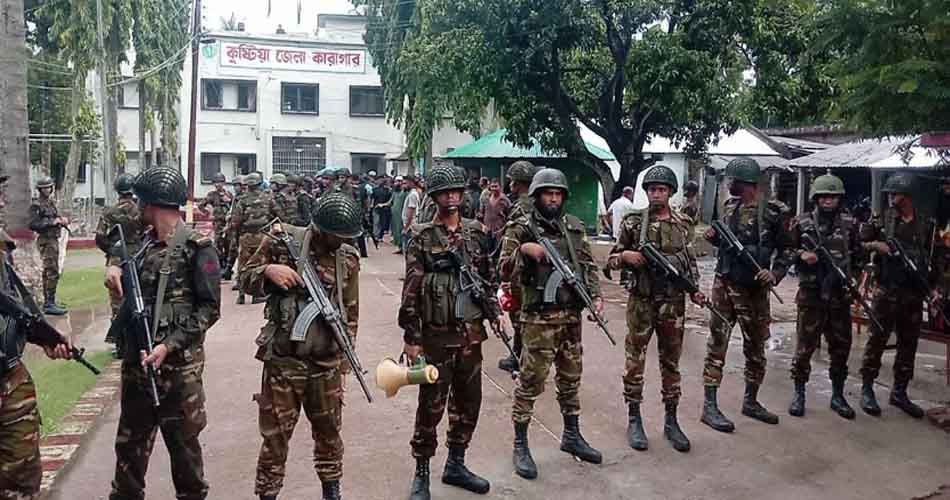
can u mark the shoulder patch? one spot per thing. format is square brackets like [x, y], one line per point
[349, 251]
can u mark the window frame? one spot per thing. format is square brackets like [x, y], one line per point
[204, 94]
[382, 101]
[299, 85]
[201, 167]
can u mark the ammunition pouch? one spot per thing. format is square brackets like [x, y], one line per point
[274, 339]
[738, 271]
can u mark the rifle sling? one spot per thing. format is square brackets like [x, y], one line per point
[177, 243]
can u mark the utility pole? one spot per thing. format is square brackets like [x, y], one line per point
[108, 154]
[193, 119]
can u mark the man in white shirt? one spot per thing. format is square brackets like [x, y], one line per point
[619, 209]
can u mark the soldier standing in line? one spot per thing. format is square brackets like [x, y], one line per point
[304, 200]
[47, 224]
[124, 213]
[691, 202]
[20, 468]
[551, 332]
[185, 303]
[824, 304]
[307, 374]
[740, 293]
[240, 189]
[520, 174]
[252, 211]
[450, 339]
[283, 204]
[897, 302]
[656, 304]
[220, 202]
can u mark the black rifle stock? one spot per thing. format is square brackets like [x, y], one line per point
[735, 245]
[663, 265]
[133, 317]
[320, 307]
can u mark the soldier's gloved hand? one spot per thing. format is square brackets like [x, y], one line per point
[114, 281]
[412, 352]
[633, 258]
[809, 258]
[283, 276]
[155, 359]
[533, 250]
[766, 277]
[698, 298]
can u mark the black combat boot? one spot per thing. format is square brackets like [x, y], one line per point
[331, 490]
[838, 403]
[240, 299]
[574, 443]
[635, 435]
[899, 399]
[50, 307]
[420, 483]
[268, 497]
[509, 363]
[521, 457]
[753, 409]
[868, 399]
[672, 431]
[457, 474]
[797, 408]
[711, 414]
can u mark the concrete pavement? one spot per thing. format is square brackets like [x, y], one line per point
[819, 456]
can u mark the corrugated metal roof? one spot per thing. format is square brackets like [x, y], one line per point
[872, 153]
[494, 145]
[801, 143]
[719, 162]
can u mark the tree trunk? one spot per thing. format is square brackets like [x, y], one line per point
[143, 159]
[74, 159]
[631, 164]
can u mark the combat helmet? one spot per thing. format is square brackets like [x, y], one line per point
[123, 183]
[219, 178]
[239, 180]
[827, 184]
[660, 174]
[522, 171]
[253, 179]
[445, 178]
[900, 183]
[293, 179]
[163, 186]
[744, 169]
[338, 214]
[44, 182]
[278, 179]
[548, 178]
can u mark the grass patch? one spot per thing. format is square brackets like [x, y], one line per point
[60, 384]
[82, 288]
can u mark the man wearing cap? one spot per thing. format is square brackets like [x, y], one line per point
[219, 201]
[252, 211]
[184, 303]
[47, 224]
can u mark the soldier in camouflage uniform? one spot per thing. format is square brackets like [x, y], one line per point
[184, 304]
[520, 174]
[741, 294]
[655, 304]
[551, 332]
[251, 212]
[20, 469]
[220, 202]
[691, 201]
[283, 204]
[47, 224]
[824, 305]
[240, 189]
[450, 337]
[307, 374]
[897, 302]
[305, 205]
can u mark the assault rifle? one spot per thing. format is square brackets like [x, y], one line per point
[682, 282]
[28, 314]
[134, 317]
[898, 252]
[847, 282]
[320, 306]
[734, 245]
[563, 274]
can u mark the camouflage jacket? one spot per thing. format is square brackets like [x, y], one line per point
[839, 235]
[251, 212]
[433, 309]
[672, 237]
[43, 215]
[284, 206]
[763, 232]
[220, 203]
[531, 276]
[13, 338]
[283, 306]
[915, 236]
[426, 211]
[192, 300]
[521, 206]
[124, 213]
[305, 207]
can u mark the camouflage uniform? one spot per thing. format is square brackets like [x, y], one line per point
[305, 208]
[453, 345]
[43, 215]
[234, 240]
[124, 213]
[191, 305]
[283, 205]
[251, 212]
[736, 293]
[654, 303]
[305, 375]
[220, 202]
[520, 207]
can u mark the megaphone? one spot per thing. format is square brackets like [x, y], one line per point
[391, 375]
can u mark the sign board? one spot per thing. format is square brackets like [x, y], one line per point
[249, 55]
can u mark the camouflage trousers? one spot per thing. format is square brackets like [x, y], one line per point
[222, 242]
[287, 385]
[544, 344]
[751, 309]
[249, 243]
[815, 319]
[900, 311]
[460, 387]
[233, 249]
[644, 317]
[49, 251]
[20, 470]
[181, 417]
